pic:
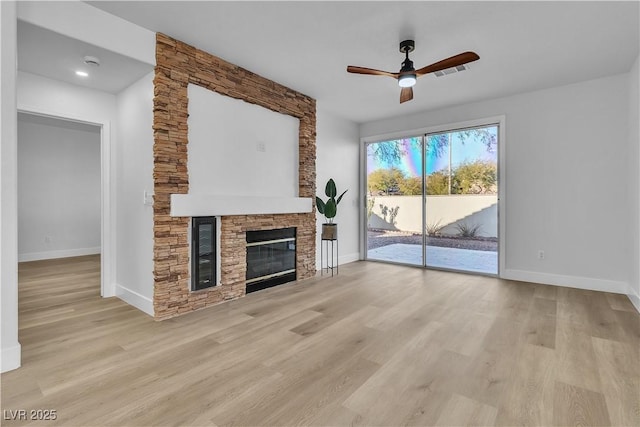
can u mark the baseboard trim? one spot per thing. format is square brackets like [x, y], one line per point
[634, 298]
[577, 282]
[346, 259]
[67, 253]
[342, 259]
[10, 358]
[135, 299]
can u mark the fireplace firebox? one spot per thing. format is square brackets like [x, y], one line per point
[271, 258]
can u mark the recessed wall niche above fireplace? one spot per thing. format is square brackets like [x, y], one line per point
[271, 258]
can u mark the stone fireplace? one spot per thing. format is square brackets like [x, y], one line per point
[179, 65]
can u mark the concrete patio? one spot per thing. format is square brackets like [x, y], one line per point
[451, 258]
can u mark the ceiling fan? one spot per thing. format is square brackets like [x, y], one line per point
[408, 75]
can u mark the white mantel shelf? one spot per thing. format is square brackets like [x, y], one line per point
[212, 205]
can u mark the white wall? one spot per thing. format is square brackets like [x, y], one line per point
[58, 188]
[134, 158]
[241, 149]
[634, 184]
[566, 179]
[10, 347]
[338, 157]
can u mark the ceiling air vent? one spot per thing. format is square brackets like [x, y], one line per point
[451, 70]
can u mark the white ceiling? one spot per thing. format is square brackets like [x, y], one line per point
[56, 56]
[307, 46]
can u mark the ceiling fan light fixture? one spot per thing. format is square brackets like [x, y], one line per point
[408, 75]
[407, 80]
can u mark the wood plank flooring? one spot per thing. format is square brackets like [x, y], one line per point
[377, 345]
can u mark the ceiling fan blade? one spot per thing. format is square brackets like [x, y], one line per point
[454, 61]
[406, 94]
[370, 71]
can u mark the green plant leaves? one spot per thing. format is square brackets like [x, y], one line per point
[329, 208]
[330, 189]
[320, 205]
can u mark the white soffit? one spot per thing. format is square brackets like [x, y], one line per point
[80, 21]
[53, 55]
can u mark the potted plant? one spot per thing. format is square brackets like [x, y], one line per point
[329, 209]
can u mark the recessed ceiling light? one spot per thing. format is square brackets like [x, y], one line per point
[82, 73]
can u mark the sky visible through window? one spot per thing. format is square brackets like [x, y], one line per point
[406, 154]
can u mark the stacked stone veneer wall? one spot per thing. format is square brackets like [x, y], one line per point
[179, 65]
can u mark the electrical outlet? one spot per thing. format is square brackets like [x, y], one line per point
[541, 254]
[47, 239]
[261, 146]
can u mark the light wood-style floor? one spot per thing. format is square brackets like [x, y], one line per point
[375, 345]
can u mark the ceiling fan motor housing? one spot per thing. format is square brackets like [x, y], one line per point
[407, 46]
[407, 65]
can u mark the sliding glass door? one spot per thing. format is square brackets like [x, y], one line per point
[394, 201]
[462, 200]
[432, 200]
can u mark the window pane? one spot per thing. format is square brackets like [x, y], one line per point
[474, 161]
[437, 164]
[461, 203]
[394, 200]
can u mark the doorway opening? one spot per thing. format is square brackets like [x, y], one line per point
[62, 204]
[432, 199]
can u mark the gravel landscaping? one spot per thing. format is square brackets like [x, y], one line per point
[376, 239]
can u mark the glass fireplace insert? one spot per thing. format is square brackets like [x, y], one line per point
[271, 258]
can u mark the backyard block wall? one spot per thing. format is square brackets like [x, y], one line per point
[403, 213]
[178, 65]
